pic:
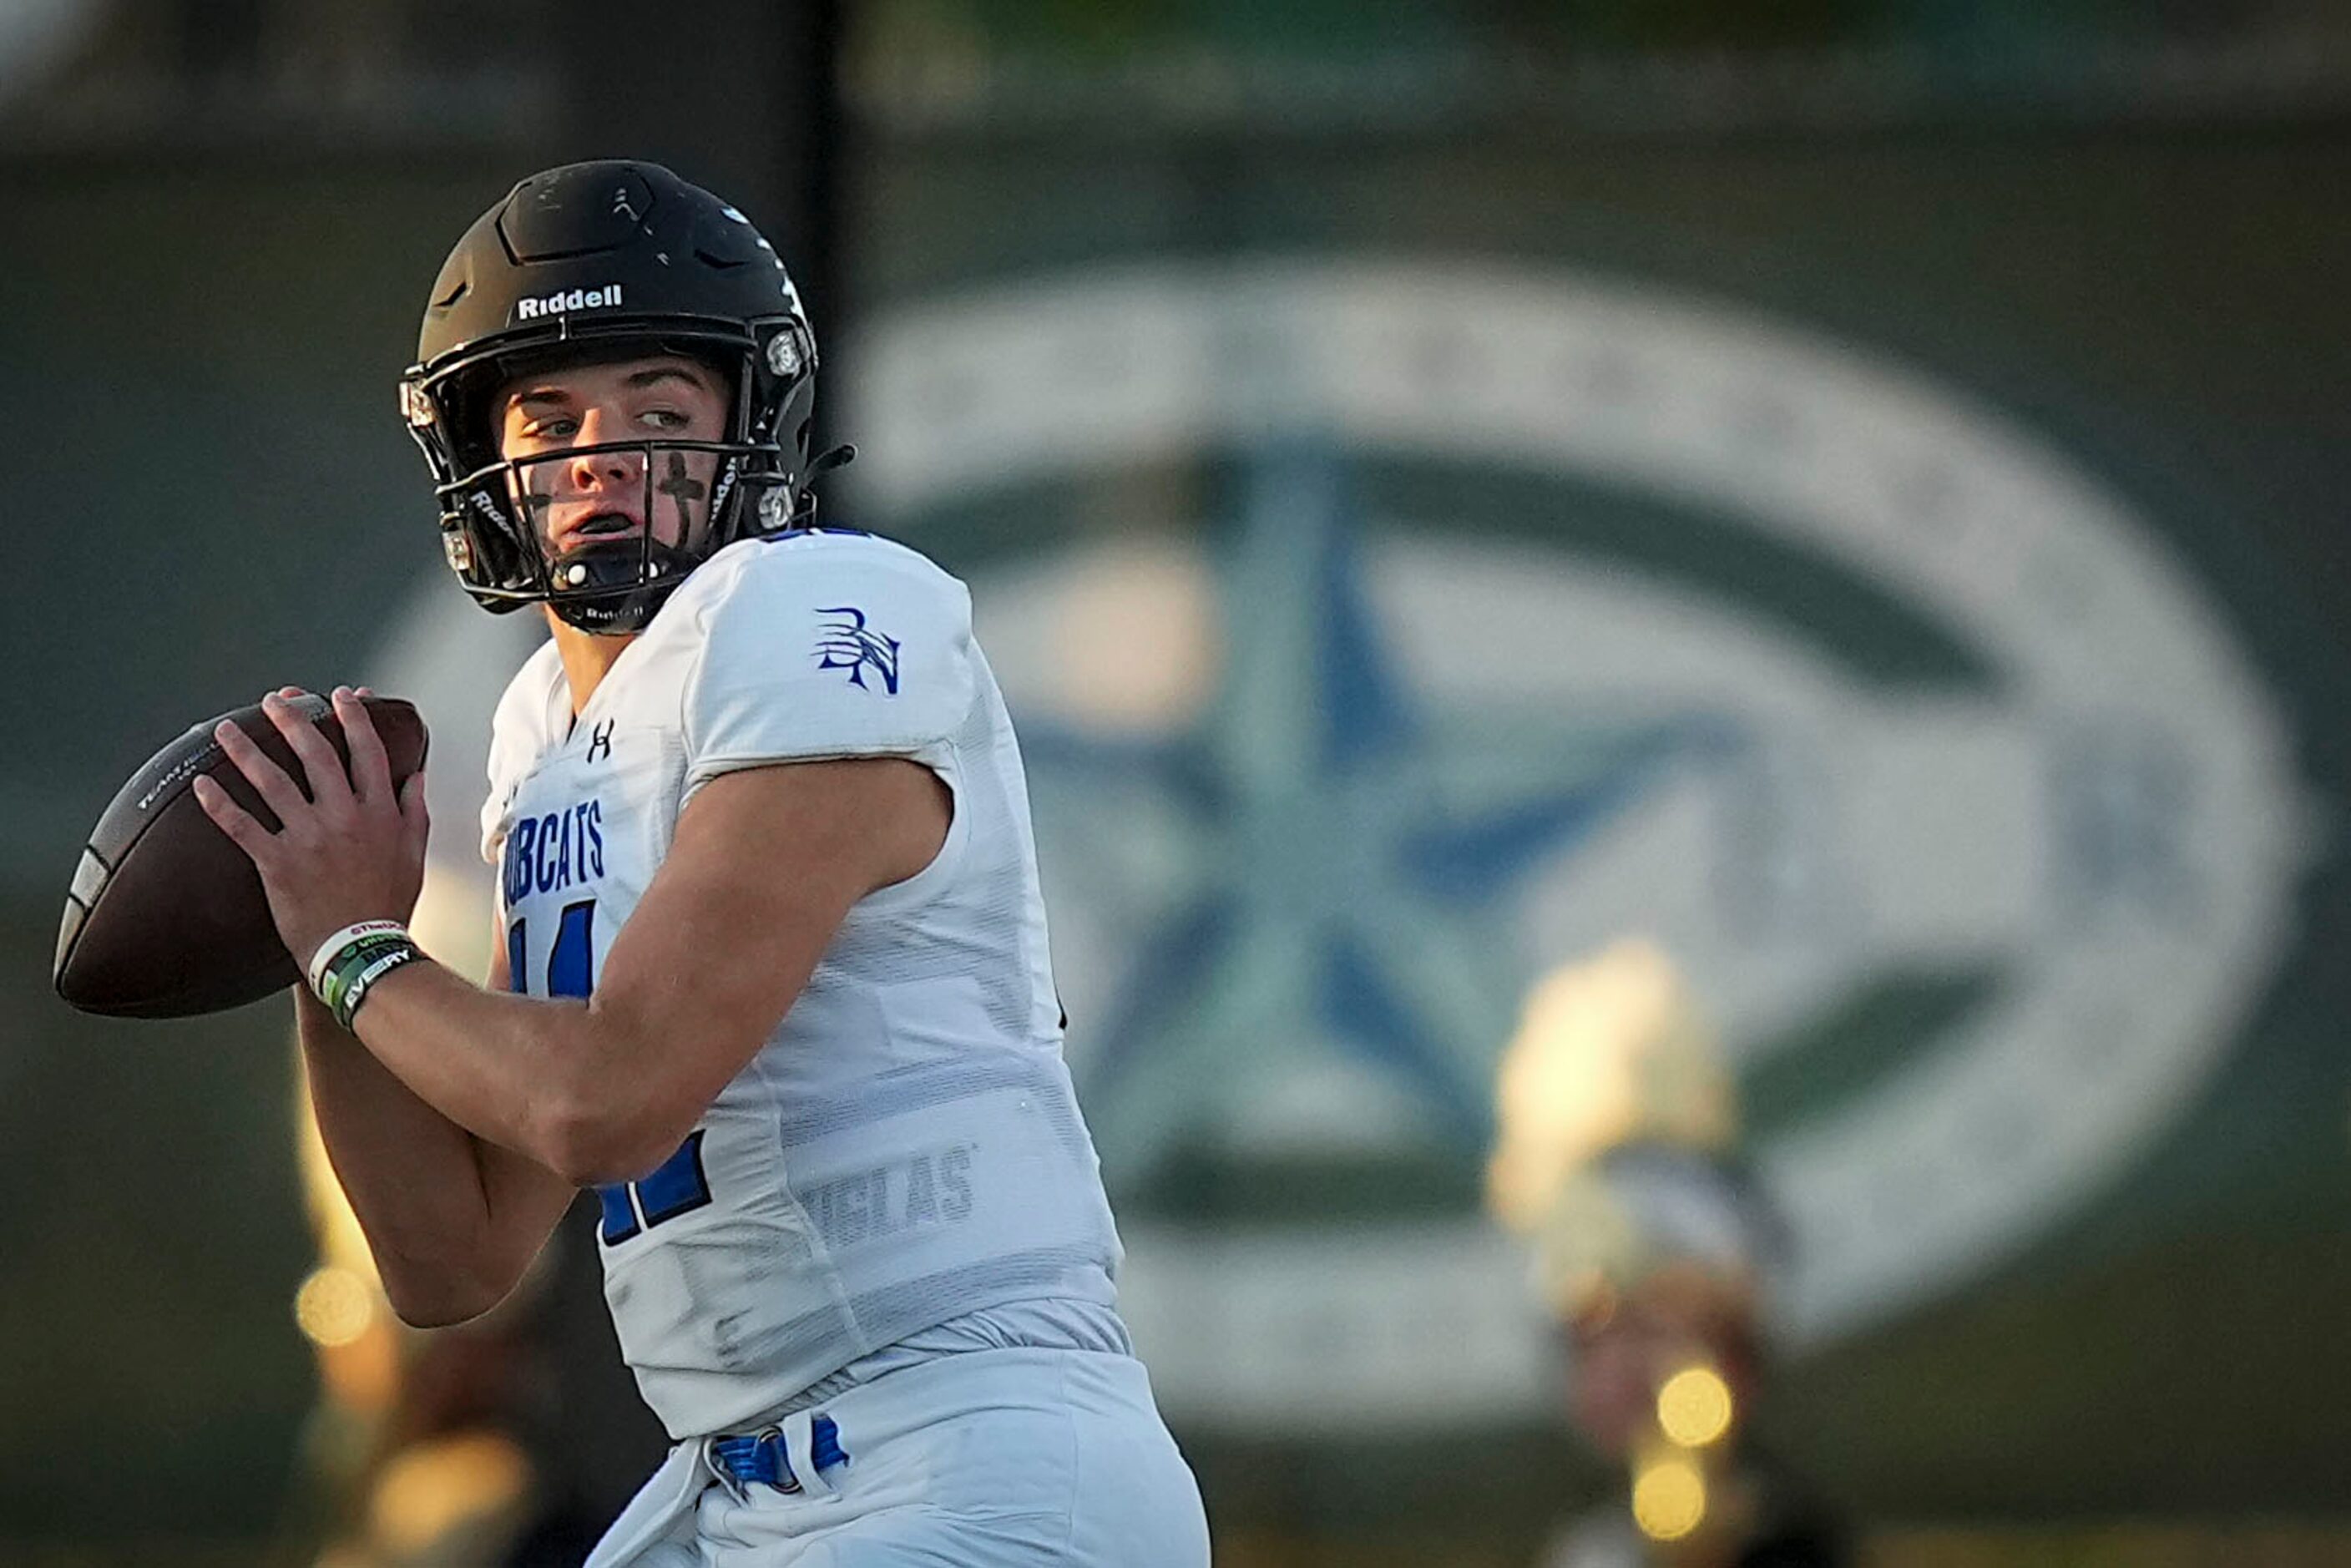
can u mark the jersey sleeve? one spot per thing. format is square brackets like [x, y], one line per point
[851, 648]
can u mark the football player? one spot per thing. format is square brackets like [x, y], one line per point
[773, 976]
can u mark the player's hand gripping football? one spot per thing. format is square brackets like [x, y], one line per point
[353, 851]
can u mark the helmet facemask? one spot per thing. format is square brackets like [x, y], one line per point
[677, 501]
[621, 549]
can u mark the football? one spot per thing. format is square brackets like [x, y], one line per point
[165, 917]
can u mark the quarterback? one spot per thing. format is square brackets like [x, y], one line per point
[772, 975]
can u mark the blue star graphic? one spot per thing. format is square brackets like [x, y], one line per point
[1326, 867]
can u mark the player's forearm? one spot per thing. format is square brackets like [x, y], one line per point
[553, 1080]
[412, 1176]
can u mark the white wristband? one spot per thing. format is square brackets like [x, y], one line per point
[333, 945]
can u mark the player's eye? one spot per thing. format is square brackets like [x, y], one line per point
[665, 419]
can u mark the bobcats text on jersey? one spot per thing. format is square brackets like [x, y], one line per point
[549, 853]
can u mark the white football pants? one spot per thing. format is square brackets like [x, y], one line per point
[996, 1459]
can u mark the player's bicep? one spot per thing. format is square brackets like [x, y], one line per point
[765, 865]
[525, 1200]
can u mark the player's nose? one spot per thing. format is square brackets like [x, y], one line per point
[591, 469]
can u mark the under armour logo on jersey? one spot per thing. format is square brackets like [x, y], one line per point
[846, 644]
[599, 741]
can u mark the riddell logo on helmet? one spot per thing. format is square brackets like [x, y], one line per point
[576, 299]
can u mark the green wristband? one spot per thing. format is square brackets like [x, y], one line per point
[334, 975]
[351, 980]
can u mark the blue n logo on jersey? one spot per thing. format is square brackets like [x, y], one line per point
[846, 644]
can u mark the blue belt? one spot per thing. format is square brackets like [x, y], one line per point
[748, 1457]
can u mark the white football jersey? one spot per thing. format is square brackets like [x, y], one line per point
[906, 1147]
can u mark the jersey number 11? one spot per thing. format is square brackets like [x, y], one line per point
[677, 1185]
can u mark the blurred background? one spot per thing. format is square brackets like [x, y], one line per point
[1778, 570]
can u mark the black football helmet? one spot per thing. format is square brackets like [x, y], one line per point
[598, 261]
